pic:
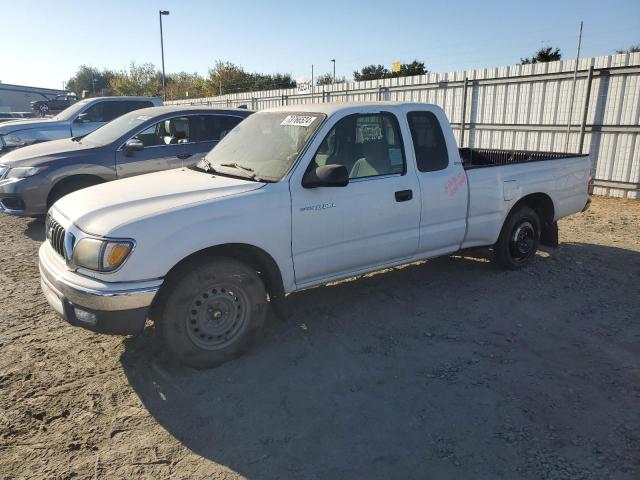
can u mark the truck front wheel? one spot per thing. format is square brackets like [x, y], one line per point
[211, 311]
[518, 240]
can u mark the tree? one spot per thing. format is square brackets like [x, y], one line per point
[186, 85]
[371, 72]
[546, 54]
[227, 77]
[377, 72]
[631, 49]
[409, 69]
[327, 79]
[90, 79]
[143, 80]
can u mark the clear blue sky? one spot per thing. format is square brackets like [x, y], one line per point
[45, 41]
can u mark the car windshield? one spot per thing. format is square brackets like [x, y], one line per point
[69, 113]
[264, 146]
[115, 129]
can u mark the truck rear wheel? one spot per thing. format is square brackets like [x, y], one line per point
[212, 311]
[518, 240]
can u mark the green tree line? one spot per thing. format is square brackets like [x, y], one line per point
[226, 77]
[146, 79]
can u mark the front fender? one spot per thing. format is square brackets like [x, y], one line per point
[260, 218]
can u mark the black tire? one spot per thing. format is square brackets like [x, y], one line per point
[69, 186]
[518, 241]
[211, 310]
[43, 109]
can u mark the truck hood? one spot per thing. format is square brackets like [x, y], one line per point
[43, 153]
[101, 209]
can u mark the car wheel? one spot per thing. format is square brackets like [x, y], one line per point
[518, 240]
[211, 311]
[44, 109]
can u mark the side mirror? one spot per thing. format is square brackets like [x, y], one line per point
[326, 176]
[132, 145]
[83, 118]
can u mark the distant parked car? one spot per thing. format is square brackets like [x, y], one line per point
[33, 178]
[56, 104]
[79, 119]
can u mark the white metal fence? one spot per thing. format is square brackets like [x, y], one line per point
[524, 107]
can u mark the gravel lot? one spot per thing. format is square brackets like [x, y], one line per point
[451, 368]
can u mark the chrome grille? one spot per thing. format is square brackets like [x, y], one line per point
[56, 235]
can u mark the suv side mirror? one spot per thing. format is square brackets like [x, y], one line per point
[326, 176]
[82, 118]
[132, 145]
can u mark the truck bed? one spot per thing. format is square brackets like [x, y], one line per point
[480, 158]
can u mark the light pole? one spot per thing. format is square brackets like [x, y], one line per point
[334, 69]
[160, 14]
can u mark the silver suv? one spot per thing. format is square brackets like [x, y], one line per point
[78, 120]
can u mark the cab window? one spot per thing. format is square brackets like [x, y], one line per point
[368, 145]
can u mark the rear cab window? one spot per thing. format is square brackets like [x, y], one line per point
[428, 141]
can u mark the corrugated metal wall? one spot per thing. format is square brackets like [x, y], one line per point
[524, 107]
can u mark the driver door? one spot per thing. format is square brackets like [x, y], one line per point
[374, 220]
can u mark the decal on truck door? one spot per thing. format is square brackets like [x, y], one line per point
[454, 183]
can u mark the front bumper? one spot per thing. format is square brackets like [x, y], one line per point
[116, 308]
[24, 197]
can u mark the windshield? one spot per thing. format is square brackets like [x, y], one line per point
[115, 129]
[264, 146]
[69, 113]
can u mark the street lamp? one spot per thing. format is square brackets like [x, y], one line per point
[334, 69]
[160, 14]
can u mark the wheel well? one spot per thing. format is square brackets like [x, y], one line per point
[542, 204]
[87, 179]
[250, 255]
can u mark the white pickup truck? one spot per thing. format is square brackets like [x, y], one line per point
[292, 198]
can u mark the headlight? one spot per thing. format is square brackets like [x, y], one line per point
[101, 255]
[12, 140]
[24, 172]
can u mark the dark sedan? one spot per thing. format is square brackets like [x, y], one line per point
[32, 178]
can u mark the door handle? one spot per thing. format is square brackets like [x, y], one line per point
[184, 156]
[404, 195]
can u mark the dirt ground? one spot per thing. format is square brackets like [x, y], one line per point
[452, 368]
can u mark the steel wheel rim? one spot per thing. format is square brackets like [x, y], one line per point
[522, 241]
[217, 316]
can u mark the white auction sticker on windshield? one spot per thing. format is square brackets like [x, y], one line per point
[298, 120]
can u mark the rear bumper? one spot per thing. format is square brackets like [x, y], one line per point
[114, 308]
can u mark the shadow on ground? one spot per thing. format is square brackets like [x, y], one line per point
[448, 369]
[35, 230]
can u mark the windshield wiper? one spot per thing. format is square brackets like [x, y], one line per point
[249, 175]
[235, 165]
